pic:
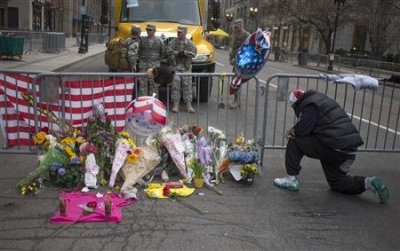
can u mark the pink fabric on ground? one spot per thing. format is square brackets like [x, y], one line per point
[74, 209]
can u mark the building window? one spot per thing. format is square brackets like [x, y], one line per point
[13, 18]
[2, 18]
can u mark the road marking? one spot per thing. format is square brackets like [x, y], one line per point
[218, 63]
[375, 124]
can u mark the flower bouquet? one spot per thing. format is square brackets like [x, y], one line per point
[242, 159]
[103, 136]
[217, 140]
[59, 162]
[247, 172]
[135, 163]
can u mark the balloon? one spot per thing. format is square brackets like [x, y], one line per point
[250, 58]
[145, 115]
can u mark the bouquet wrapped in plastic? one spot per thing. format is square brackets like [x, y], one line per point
[176, 148]
[218, 142]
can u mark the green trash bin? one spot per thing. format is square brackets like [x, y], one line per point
[11, 46]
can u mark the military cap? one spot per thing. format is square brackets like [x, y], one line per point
[151, 27]
[135, 29]
[238, 22]
[182, 28]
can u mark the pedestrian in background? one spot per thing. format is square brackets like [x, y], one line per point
[325, 132]
[182, 50]
[239, 35]
[133, 47]
[151, 52]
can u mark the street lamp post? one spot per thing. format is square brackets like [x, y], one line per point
[332, 55]
[253, 14]
[229, 18]
[84, 45]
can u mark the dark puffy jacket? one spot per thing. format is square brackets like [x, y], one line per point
[334, 128]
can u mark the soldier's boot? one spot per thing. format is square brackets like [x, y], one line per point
[189, 107]
[175, 106]
[235, 104]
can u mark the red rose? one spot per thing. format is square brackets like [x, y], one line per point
[166, 191]
[45, 129]
[92, 204]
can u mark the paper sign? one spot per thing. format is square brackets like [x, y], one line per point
[235, 171]
[132, 3]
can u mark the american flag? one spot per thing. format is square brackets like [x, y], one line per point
[74, 106]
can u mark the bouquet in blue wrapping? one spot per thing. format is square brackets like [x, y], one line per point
[250, 58]
[242, 151]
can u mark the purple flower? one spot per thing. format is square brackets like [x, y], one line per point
[75, 161]
[61, 171]
[55, 166]
[203, 151]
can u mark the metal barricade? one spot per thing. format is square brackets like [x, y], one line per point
[69, 97]
[376, 114]
[34, 41]
[53, 42]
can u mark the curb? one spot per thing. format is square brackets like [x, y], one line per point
[62, 68]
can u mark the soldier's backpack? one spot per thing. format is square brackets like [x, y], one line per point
[115, 55]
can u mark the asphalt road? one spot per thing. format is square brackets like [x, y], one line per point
[257, 217]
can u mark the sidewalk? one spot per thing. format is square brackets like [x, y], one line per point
[40, 62]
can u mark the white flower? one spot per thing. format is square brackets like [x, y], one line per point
[52, 140]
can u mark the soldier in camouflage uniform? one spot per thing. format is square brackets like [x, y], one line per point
[133, 47]
[182, 50]
[239, 35]
[151, 52]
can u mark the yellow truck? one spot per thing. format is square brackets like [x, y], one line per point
[167, 15]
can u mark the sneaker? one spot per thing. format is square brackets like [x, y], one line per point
[379, 188]
[287, 182]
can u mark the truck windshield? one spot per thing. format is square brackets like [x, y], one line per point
[176, 11]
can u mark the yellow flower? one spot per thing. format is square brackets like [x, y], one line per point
[125, 134]
[80, 140]
[132, 158]
[46, 144]
[76, 132]
[117, 188]
[39, 138]
[68, 141]
[239, 140]
[247, 169]
[69, 152]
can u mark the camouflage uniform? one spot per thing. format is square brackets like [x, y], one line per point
[237, 42]
[182, 51]
[133, 53]
[151, 52]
